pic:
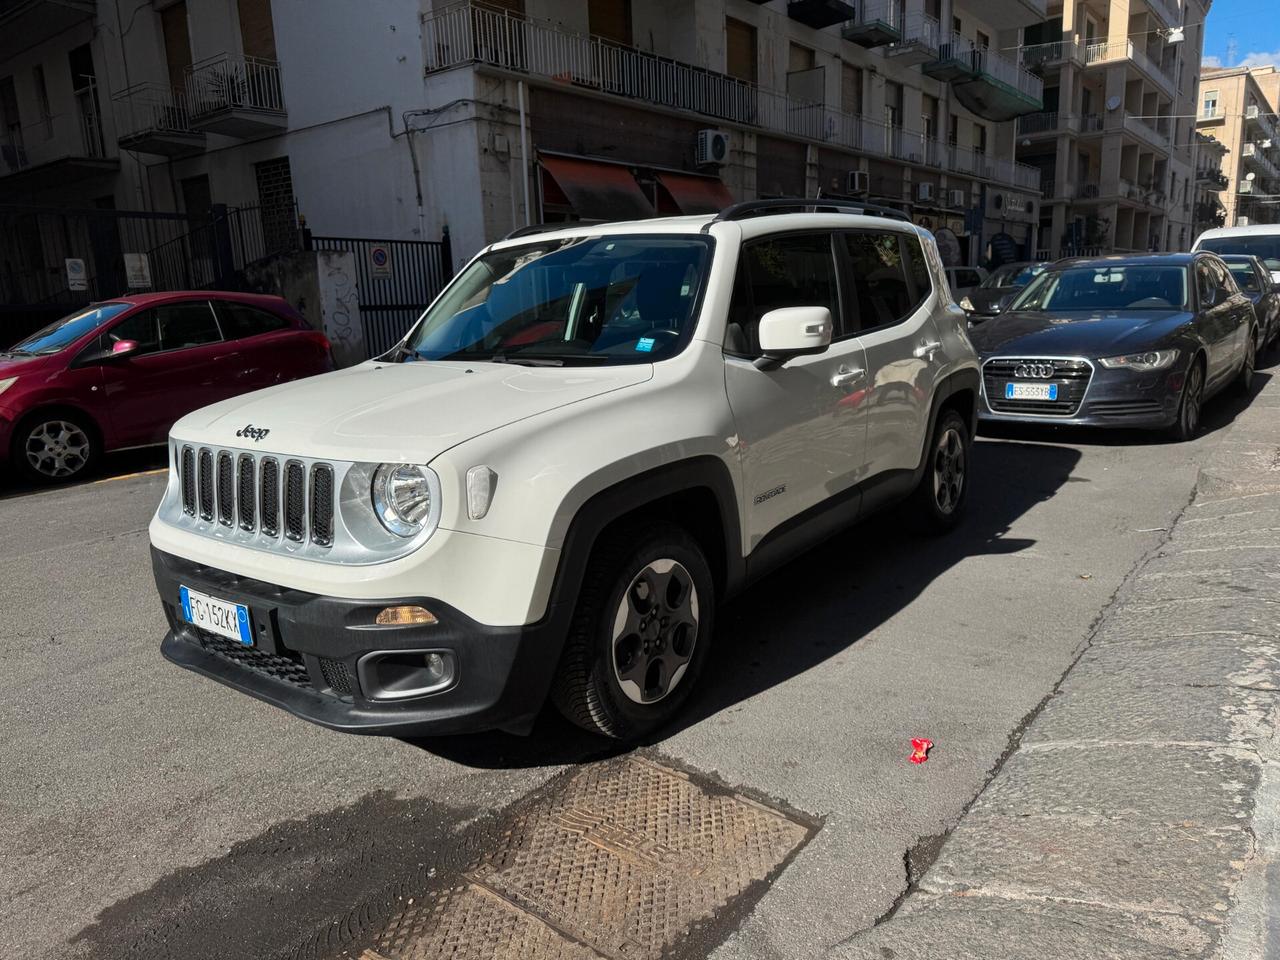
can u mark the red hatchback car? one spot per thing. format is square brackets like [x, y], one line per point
[118, 374]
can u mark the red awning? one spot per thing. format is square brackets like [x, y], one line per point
[692, 194]
[598, 191]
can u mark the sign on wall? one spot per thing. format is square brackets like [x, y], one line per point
[380, 263]
[77, 277]
[137, 270]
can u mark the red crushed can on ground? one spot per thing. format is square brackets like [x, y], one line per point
[920, 748]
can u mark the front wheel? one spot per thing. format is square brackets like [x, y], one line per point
[1244, 379]
[940, 498]
[54, 448]
[640, 634]
[1188, 423]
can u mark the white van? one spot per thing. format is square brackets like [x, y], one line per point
[1261, 240]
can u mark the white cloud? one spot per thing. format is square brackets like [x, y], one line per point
[1253, 59]
[1211, 62]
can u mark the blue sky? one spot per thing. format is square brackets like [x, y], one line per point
[1251, 24]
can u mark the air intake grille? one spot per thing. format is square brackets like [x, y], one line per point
[206, 485]
[295, 500]
[226, 488]
[322, 504]
[246, 492]
[336, 675]
[1071, 376]
[291, 669]
[188, 476]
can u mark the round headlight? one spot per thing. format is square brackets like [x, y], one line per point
[401, 497]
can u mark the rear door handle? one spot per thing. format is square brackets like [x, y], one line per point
[847, 375]
[927, 348]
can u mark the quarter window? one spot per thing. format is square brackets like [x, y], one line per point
[788, 271]
[1208, 287]
[878, 280]
[187, 325]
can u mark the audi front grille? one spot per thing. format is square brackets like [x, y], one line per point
[1071, 376]
[254, 495]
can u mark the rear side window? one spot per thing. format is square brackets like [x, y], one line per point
[787, 271]
[882, 289]
[187, 325]
[240, 320]
[1246, 277]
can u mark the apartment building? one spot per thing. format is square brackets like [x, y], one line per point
[1211, 181]
[1115, 142]
[1237, 109]
[601, 109]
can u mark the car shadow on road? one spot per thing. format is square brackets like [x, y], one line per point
[816, 607]
[114, 466]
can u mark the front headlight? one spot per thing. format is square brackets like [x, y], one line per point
[966, 304]
[6, 384]
[403, 497]
[1143, 362]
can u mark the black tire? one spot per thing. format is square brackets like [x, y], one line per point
[1187, 426]
[939, 501]
[1243, 382]
[55, 446]
[656, 639]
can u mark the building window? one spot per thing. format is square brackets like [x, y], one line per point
[979, 138]
[955, 24]
[741, 56]
[933, 8]
[42, 100]
[1209, 107]
[893, 104]
[982, 40]
[929, 116]
[953, 130]
[177, 43]
[610, 19]
[275, 200]
[11, 144]
[257, 30]
[851, 89]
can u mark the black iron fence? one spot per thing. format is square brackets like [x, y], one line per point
[396, 280]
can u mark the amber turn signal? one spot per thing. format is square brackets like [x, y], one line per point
[408, 616]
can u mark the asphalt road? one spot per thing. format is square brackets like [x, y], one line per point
[148, 813]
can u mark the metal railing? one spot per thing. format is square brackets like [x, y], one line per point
[1043, 122]
[232, 82]
[470, 33]
[887, 12]
[1093, 123]
[1211, 113]
[1043, 54]
[921, 30]
[1107, 51]
[1008, 72]
[1140, 128]
[151, 107]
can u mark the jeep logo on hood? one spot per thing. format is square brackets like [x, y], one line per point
[253, 433]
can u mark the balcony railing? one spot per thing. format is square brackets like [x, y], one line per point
[1166, 12]
[1145, 131]
[1092, 123]
[232, 82]
[1108, 51]
[151, 107]
[1008, 72]
[1043, 54]
[1048, 121]
[469, 33]
[1210, 114]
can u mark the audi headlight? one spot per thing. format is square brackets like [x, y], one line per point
[966, 304]
[405, 498]
[6, 384]
[1143, 362]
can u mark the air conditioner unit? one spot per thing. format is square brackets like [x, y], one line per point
[1251, 112]
[1242, 221]
[1246, 186]
[859, 181]
[924, 191]
[713, 148]
[957, 198]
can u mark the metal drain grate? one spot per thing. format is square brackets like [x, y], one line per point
[625, 860]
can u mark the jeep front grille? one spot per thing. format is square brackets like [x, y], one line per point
[226, 488]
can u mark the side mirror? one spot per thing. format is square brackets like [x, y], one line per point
[122, 348]
[793, 332]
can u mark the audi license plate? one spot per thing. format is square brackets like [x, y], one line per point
[1031, 391]
[226, 619]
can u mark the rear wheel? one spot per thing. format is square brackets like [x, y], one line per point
[55, 447]
[940, 498]
[641, 632]
[1188, 423]
[1244, 379]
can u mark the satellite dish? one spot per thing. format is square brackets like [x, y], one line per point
[1113, 103]
[1250, 176]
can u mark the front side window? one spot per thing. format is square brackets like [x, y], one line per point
[184, 325]
[1108, 287]
[585, 300]
[140, 328]
[798, 270]
[1246, 277]
[62, 333]
[881, 291]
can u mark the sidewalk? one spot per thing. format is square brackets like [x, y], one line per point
[1138, 815]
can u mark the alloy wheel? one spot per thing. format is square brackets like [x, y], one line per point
[948, 471]
[654, 631]
[1191, 401]
[57, 449]
[1250, 361]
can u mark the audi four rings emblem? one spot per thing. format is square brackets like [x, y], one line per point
[1042, 371]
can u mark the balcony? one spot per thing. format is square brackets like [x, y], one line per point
[920, 38]
[1046, 123]
[1013, 13]
[996, 88]
[1148, 134]
[1255, 157]
[236, 96]
[820, 13]
[1264, 122]
[1107, 52]
[155, 118]
[1211, 115]
[1042, 55]
[878, 22]
[1211, 180]
[63, 149]
[480, 35]
[1165, 12]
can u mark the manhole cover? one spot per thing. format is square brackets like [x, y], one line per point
[621, 863]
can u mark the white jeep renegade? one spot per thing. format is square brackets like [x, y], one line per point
[590, 439]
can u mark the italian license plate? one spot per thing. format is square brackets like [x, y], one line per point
[1031, 391]
[226, 619]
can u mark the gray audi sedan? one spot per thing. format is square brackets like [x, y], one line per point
[1124, 341]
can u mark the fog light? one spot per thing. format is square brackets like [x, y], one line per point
[436, 667]
[406, 674]
[407, 616]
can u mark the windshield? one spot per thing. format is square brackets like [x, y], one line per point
[62, 333]
[1245, 276]
[614, 299]
[1266, 247]
[1108, 287]
[1014, 275]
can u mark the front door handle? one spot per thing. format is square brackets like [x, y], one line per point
[927, 348]
[847, 375]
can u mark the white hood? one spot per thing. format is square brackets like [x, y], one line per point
[405, 412]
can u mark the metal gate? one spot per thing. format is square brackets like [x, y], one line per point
[396, 279]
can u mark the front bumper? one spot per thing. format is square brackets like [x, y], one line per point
[1111, 398]
[307, 648]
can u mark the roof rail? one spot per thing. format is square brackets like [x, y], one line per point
[751, 208]
[531, 229]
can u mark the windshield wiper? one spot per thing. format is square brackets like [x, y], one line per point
[526, 361]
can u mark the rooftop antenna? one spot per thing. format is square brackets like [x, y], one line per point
[1232, 49]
